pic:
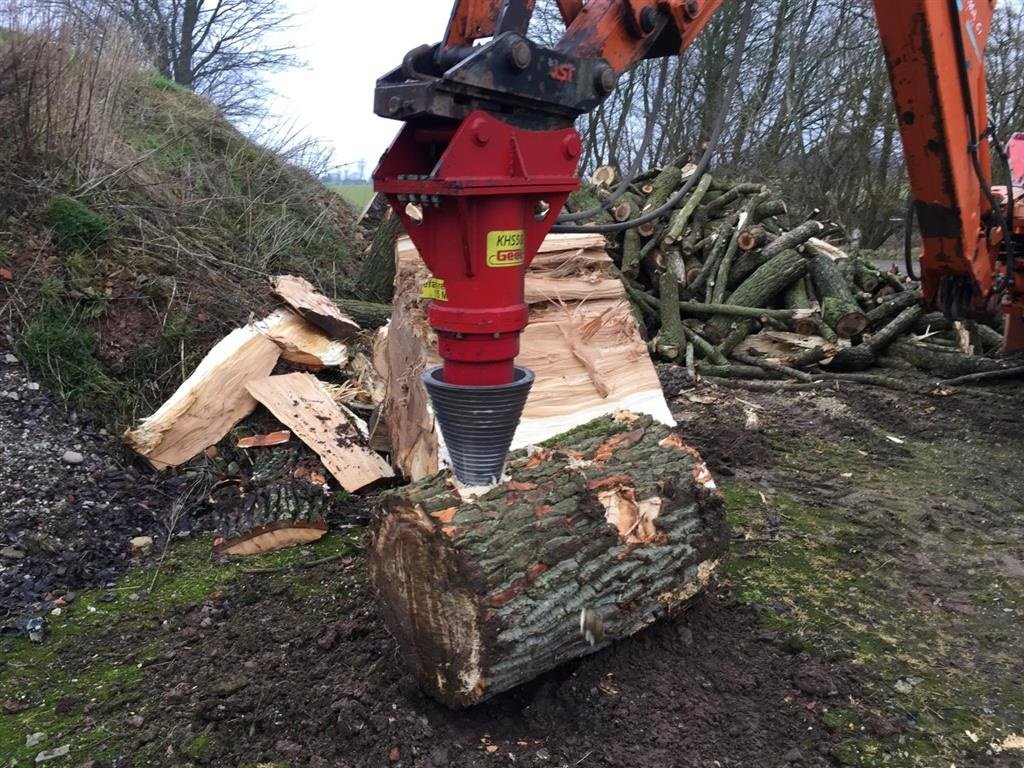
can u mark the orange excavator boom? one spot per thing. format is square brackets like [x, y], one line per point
[488, 155]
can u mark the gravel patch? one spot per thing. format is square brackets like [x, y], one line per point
[71, 500]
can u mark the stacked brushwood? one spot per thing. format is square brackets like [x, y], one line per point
[733, 287]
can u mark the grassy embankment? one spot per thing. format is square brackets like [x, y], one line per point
[138, 224]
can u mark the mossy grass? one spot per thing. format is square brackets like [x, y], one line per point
[835, 580]
[81, 664]
[75, 225]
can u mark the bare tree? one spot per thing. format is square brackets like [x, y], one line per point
[813, 115]
[218, 48]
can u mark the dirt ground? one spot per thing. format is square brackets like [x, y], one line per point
[871, 614]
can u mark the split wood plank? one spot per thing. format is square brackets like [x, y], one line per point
[582, 343]
[208, 403]
[265, 441]
[302, 343]
[299, 402]
[299, 294]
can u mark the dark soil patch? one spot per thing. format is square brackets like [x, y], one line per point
[130, 324]
[317, 682]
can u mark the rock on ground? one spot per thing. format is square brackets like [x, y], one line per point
[71, 499]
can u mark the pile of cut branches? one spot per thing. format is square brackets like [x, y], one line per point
[732, 288]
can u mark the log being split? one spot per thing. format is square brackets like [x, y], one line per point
[618, 524]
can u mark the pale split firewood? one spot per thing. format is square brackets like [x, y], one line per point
[299, 294]
[207, 404]
[602, 367]
[301, 342]
[617, 523]
[299, 402]
[792, 349]
[817, 245]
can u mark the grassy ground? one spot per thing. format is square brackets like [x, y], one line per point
[882, 534]
[82, 688]
[897, 550]
[356, 194]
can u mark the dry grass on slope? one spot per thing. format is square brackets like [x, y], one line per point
[137, 224]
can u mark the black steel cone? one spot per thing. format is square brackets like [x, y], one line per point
[478, 423]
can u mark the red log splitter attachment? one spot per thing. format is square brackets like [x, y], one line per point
[477, 199]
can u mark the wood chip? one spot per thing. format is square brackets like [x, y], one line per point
[301, 342]
[209, 403]
[299, 402]
[299, 294]
[265, 441]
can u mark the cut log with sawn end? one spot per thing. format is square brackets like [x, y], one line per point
[282, 504]
[587, 541]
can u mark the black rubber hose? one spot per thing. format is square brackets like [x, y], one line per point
[634, 171]
[705, 160]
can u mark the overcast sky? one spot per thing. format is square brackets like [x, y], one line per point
[347, 45]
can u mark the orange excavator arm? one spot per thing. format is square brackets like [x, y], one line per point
[488, 156]
[935, 53]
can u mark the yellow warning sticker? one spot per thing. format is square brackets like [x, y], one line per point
[505, 248]
[434, 289]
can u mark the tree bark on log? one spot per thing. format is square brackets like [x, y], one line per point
[892, 307]
[682, 217]
[901, 324]
[369, 315]
[671, 342]
[281, 504]
[617, 525]
[769, 280]
[664, 184]
[838, 307]
[797, 298]
[753, 238]
[948, 365]
[751, 260]
[720, 203]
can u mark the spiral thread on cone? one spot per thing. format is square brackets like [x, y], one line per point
[478, 423]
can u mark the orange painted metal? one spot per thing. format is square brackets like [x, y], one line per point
[612, 29]
[921, 44]
[923, 40]
[1013, 337]
[475, 19]
[569, 9]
